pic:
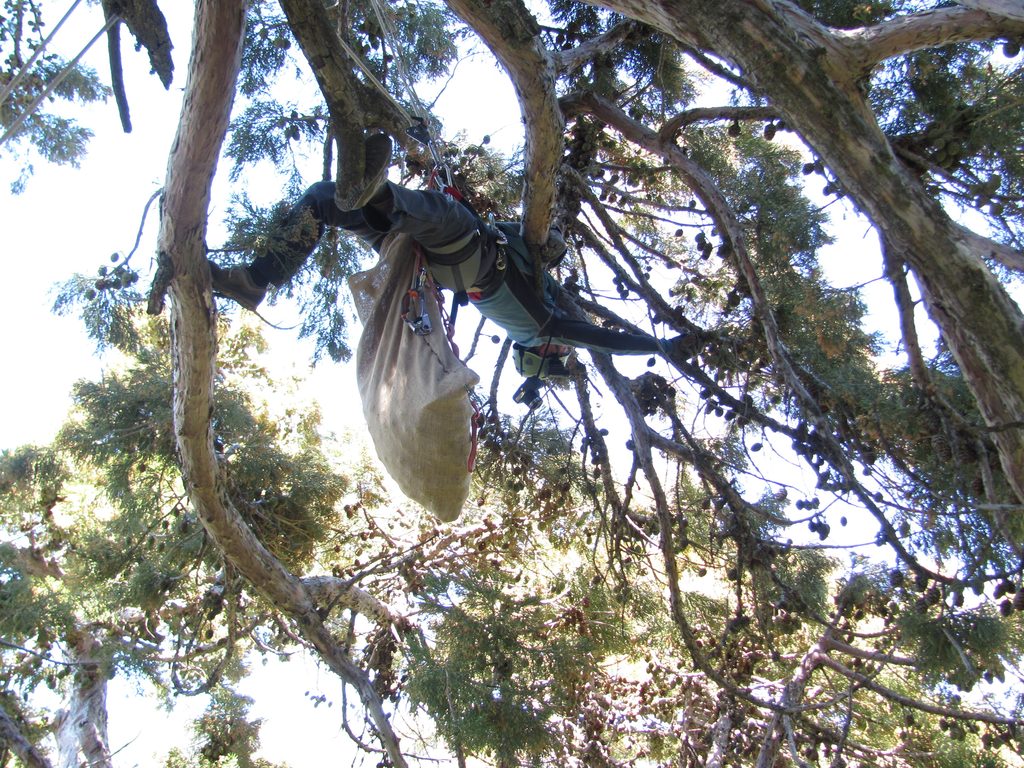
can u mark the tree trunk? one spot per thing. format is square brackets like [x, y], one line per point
[214, 64]
[810, 77]
[82, 726]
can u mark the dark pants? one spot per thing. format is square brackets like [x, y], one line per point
[433, 219]
[445, 229]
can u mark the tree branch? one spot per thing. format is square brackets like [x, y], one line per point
[572, 59]
[907, 701]
[792, 695]
[805, 71]
[32, 562]
[1010, 8]
[330, 590]
[354, 105]
[82, 726]
[513, 35]
[869, 46]
[214, 64]
[11, 735]
[675, 124]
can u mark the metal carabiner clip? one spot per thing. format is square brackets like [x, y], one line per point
[414, 312]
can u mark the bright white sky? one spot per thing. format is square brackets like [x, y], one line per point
[70, 220]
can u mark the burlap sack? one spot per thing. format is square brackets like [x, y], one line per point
[414, 389]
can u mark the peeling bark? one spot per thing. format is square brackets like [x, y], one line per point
[82, 725]
[805, 71]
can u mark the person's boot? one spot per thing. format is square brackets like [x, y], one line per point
[236, 283]
[377, 159]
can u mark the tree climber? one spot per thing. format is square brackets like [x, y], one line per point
[461, 253]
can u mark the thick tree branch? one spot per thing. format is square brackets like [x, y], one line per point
[990, 249]
[792, 696]
[82, 725]
[330, 591]
[354, 105]
[869, 46]
[146, 22]
[208, 97]
[572, 59]
[513, 35]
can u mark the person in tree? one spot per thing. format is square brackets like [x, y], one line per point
[461, 253]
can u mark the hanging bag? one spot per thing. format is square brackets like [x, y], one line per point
[413, 388]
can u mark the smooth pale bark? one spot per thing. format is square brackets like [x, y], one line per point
[82, 725]
[216, 54]
[719, 741]
[810, 76]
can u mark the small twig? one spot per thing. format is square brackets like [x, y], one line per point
[38, 655]
[142, 224]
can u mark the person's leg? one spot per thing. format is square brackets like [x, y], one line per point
[447, 230]
[301, 231]
[578, 333]
[291, 245]
[444, 227]
[530, 321]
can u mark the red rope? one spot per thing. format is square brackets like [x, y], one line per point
[450, 335]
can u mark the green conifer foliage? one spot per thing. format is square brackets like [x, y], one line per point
[798, 543]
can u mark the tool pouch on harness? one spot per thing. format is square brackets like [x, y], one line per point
[413, 387]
